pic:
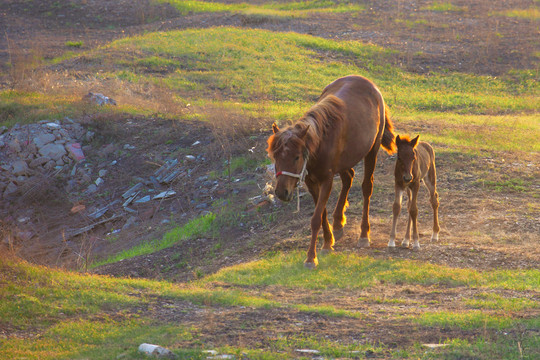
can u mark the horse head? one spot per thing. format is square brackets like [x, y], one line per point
[287, 149]
[406, 156]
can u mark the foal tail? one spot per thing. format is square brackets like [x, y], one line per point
[388, 138]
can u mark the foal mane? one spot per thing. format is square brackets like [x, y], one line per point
[328, 113]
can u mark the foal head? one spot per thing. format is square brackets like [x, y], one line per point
[287, 149]
[406, 157]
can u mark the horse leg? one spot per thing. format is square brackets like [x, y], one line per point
[407, 237]
[431, 184]
[413, 212]
[316, 222]
[367, 188]
[339, 213]
[396, 209]
[329, 241]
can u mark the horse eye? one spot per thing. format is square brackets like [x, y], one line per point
[297, 158]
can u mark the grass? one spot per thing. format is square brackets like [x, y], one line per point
[531, 13]
[97, 317]
[294, 9]
[336, 272]
[256, 72]
[196, 227]
[444, 7]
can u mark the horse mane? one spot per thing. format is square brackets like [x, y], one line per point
[328, 113]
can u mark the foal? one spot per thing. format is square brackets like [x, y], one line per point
[415, 164]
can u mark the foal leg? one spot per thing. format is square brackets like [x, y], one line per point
[413, 212]
[367, 188]
[339, 213]
[323, 194]
[407, 237]
[431, 184]
[396, 209]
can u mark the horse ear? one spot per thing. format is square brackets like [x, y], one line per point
[303, 134]
[414, 141]
[398, 139]
[275, 128]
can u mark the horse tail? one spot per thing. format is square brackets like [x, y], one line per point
[388, 139]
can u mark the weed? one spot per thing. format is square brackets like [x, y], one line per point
[74, 44]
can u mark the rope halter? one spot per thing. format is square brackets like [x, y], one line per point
[301, 177]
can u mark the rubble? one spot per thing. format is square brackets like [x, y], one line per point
[99, 99]
[27, 151]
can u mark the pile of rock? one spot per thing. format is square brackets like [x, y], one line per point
[35, 149]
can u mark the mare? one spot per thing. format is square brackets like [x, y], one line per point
[348, 124]
[415, 164]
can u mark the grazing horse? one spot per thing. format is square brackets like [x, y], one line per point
[347, 124]
[415, 164]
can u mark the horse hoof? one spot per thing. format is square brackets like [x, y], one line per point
[363, 243]
[310, 265]
[338, 234]
[326, 251]
[416, 247]
[392, 248]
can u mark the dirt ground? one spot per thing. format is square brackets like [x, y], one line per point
[487, 230]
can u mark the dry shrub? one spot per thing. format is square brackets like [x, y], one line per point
[233, 130]
[22, 63]
[41, 188]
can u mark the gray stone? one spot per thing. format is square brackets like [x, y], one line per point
[54, 151]
[14, 146]
[39, 161]
[43, 140]
[10, 189]
[20, 168]
[91, 189]
[132, 221]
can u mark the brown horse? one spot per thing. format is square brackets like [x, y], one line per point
[348, 124]
[415, 164]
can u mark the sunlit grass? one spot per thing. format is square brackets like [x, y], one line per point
[103, 337]
[444, 7]
[248, 65]
[477, 133]
[498, 302]
[350, 271]
[195, 227]
[282, 73]
[293, 9]
[463, 320]
[88, 316]
[531, 13]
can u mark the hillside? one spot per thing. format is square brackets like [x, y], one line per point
[218, 264]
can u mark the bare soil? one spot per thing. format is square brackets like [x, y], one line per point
[482, 228]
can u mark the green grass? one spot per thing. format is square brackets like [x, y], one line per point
[279, 76]
[74, 44]
[294, 9]
[444, 7]
[196, 227]
[531, 13]
[464, 320]
[245, 65]
[336, 271]
[498, 302]
[477, 134]
[97, 317]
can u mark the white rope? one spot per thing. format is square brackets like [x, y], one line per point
[301, 177]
